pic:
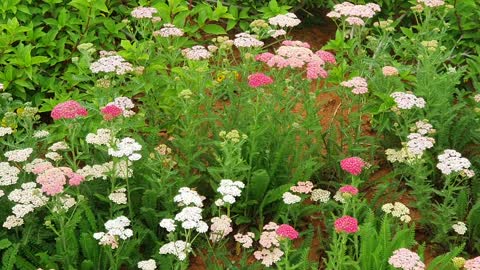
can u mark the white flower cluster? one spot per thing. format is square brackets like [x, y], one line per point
[168, 224]
[196, 53]
[407, 101]
[277, 33]
[187, 196]
[403, 155]
[41, 134]
[245, 239]
[460, 228]
[221, 227]
[320, 195]
[339, 197]
[245, 40]
[20, 155]
[452, 161]
[397, 209]
[354, 14]
[423, 127]
[232, 136]
[147, 265]
[126, 147]
[116, 229]
[5, 130]
[284, 20]
[290, 198]
[112, 63]
[169, 30]
[103, 136]
[229, 191]
[118, 169]
[143, 12]
[191, 218]
[417, 143]
[180, 249]
[26, 199]
[118, 196]
[64, 203]
[8, 174]
[124, 103]
[53, 156]
[58, 146]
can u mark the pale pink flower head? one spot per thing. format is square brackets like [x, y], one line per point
[287, 231]
[303, 187]
[355, 21]
[264, 57]
[110, 112]
[328, 57]
[389, 71]
[406, 260]
[296, 43]
[472, 264]
[75, 179]
[68, 110]
[348, 189]
[352, 165]
[52, 181]
[259, 79]
[346, 224]
[315, 70]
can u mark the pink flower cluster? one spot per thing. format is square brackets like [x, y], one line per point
[472, 264]
[358, 84]
[354, 14]
[270, 252]
[196, 53]
[346, 224]
[349, 190]
[53, 179]
[168, 30]
[297, 54]
[258, 80]
[303, 187]
[143, 12]
[110, 112]
[406, 260]
[389, 71]
[352, 165]
[287, 231]
[68, 110]
[111, 64]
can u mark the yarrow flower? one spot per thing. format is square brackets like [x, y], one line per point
[179, 248]
[353, 165]
[40, 134]
[348, 191]
[126, 147]
[417, 143]
[406, 260]
[432, 3]
[20, 155]
[407, 101]
[460, 228]
[320, 195]
[68, 110]
[169, 30]
[287, 231]
[54, 179]
[125, 104]
[147, 265]
[118, 196]
[111, 64]
[358, 84]
[229, 190]
[269, 253]
[452, 161]
[289, 198]
[246, 240]
[346, 224]
[168, 224]
[143, 12]
[472, 264]
[5, 130]
[187, 197]
[196, 53]
[116, 229]
[103, 136]
[245, 40]
[258, 80]
[26, 199]
[303, 187]
[111, 112]
[220, 228]
[399, 210]
[284, 20]
[389, 71]
[354, 14]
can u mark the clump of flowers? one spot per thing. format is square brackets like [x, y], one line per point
[220, 228]
[407, 101]
[111, 112]
[346, 224]
[103, 136]
[54, 179]
[287, 231]
[270, 252]
[169, 30]
[406, 260]
[397, 209]
[232, 136]
[26, 199]
[116, 230]
[258, 80]
[111, 64]
[354, 14]
[417, 143]
[352, 165]
[284, 20]
[125, 104]
[452, 161]
[126, 147]
[5, 130]
[423, 127]
[143, 12]
[246, 240]
[196, 53]
[358, 85]
[430, 45]
[229, 190]
[472, 264]
[245, 40]
[147, 265]
[118, 196]
[389, 71]
[290, 198]
[179, 249]
[432, 3]
[302, 187]
[460, 227]
[68, 110]
[20, 155]
[320, 195]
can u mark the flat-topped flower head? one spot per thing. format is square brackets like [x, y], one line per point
[472, 264]
[111, 112]
[406, 260]
[284, 20]
[348, 191]
[196, 53]
[169, 30]
[287, 231]
[358, 85]
[143, 12]
[258, 80]
[68, 110]
[346, 224]
[352, 165]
